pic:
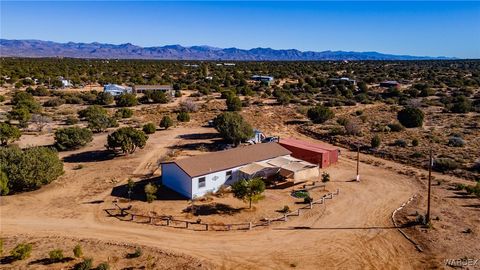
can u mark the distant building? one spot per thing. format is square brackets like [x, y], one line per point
[229, 64]
[167, 89]
[66, 83]
[344, 80]
[259, 78]
[389, 84]
[116, 90]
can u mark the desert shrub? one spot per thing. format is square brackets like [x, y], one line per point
[39, 91]
[183, 116]
[103, 266]
[26, 100]
[73, 99]
[475, 190]
[352, 129]
[2, 98]
[89, 98]
[20, 114]
[124, 113]
[86, 264]
[92, 111]
[283, 98]
[104, 98]
[445, 164]
[21, 251]
[4, 189]
[77, 251]
[71, 120]
[325, 177]
[30, 168]
[376, 141]
[395, 127]
[400, 143]
[99, 123]
[233, 127]
[188, 106]
[307, 199]
[415, 142]
[54, 102]
[56, 255]
[461, 104]
[455, 141]
[149, 128]
[128, 139]
[8, 133]
[178, 93]
[137, 253]
[411, 117]
[342, 121]
[358, 113]
[72, 137]
[156, 97]
[151, 192]
[285, 209]
[233, 103]
[126, 100]
[320, 114]
[166, 122]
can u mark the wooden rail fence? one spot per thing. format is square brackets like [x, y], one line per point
[124, 214]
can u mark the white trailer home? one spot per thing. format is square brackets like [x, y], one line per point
[196, 176]
[116, 90]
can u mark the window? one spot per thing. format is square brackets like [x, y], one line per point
[228, 175]
[201, 182]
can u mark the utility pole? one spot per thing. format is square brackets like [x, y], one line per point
[427, 217]
[358, 163]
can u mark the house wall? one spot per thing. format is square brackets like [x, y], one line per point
[175, 178]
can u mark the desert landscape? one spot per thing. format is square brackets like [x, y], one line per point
[101, 202]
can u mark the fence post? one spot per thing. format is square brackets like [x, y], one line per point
[150, 220]
[186, 224]
[268, 222]
[338, 191]
[206, 227]
[168, 222]
[285, 217]
[229, 227]
[250, 225]
[311, 206]
[323, 200]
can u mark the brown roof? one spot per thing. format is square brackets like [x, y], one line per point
[152, 87]
[222, 160]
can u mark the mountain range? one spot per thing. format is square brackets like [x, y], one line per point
[40, 48]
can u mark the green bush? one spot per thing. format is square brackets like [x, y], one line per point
[456, 142]
[149, 128]
[54, 102]
[92, 111]
[39, 91]
[103, 266]
[8, 133]
[166, 122]
[183, 116]
[395, 127]
[325, 177]
[136, 254]
[128, 139]
[126, 100]
[104, 98]
[26, 100]
[124, 113]
[320, 114]
[71, 120]
[400, 143]
[56, 255]
[411, 117]
[86, 264]
[415, 142]
[31, 168]
[72, 138]
[445, 164]
[21, 251]
[77, 251]
[150, 192]
[21, 114]
[376, 141]
[2, 98]
[234, 103]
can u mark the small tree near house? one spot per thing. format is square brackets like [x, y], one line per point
[151, 192]
[325, 177]
[130, 186]
[249, 190]
[127, 139]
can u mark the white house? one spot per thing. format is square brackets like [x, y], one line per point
[116, 90]
[196, 176]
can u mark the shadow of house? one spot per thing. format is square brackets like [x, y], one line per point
[200, 136]
[215, 145]
[212, 209]
[90, 156]
[138, 191]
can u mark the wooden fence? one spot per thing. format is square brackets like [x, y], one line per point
[125, 214]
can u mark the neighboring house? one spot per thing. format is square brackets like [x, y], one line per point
[196, 176]
[344, 80]
[167, 89]
[116, 90]
[66, 83]
[389, 84]
[260, 78]
[320, 154]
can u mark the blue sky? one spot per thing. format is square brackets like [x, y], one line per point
[415, 28]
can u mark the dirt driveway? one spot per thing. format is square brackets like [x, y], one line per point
[354, 232]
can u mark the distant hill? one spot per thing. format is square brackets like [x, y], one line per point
[39, 48]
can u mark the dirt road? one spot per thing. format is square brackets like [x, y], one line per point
[354, 232]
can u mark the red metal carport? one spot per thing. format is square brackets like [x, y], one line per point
[316, 153]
